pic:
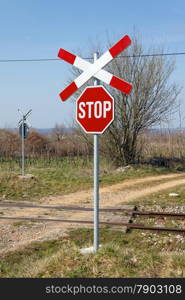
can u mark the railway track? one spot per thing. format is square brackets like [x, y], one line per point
[134, 212]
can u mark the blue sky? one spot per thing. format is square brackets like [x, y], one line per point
[38, 28]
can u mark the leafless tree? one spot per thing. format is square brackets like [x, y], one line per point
[152, 98]
[59, 132]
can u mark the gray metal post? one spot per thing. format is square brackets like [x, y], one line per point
[96, 192]
[23, 163]
[22, 122]
[96, 182]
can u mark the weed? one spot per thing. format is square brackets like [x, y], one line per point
[121, 255]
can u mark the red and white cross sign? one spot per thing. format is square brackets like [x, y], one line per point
[95, 69]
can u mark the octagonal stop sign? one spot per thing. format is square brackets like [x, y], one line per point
[95, 109]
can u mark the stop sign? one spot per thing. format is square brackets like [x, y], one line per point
[95, 109]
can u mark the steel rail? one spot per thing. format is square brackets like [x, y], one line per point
[61, 220]
[132, 211]
[10, 204]
[162, 214]
[128, 225]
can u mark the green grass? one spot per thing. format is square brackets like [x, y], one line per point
[135, 254]
[62, 176]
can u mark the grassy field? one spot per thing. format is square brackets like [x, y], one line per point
[135, 254]
[62, 176]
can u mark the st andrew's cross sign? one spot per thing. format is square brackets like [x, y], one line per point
[95, 69]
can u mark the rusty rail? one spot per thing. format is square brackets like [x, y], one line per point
[25, 205]
[76, 208]
[160, 214]
[128, 225]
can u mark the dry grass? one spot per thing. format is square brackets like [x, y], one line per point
[122, 255]
[169, 145]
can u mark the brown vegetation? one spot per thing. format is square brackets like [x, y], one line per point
[160, 147]
[164, 148]
[41, 146]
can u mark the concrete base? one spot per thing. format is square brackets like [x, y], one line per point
[88, 250]
[26, 177]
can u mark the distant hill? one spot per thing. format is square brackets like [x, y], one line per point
[44, 131]
[48, 131]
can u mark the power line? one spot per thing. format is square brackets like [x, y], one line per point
[28, 60]
[159, 54]
[90, 58]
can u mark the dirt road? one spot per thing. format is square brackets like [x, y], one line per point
[14, 235]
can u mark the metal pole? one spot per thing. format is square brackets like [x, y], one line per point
[23, 164]
[23, 136]
[96, 181]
